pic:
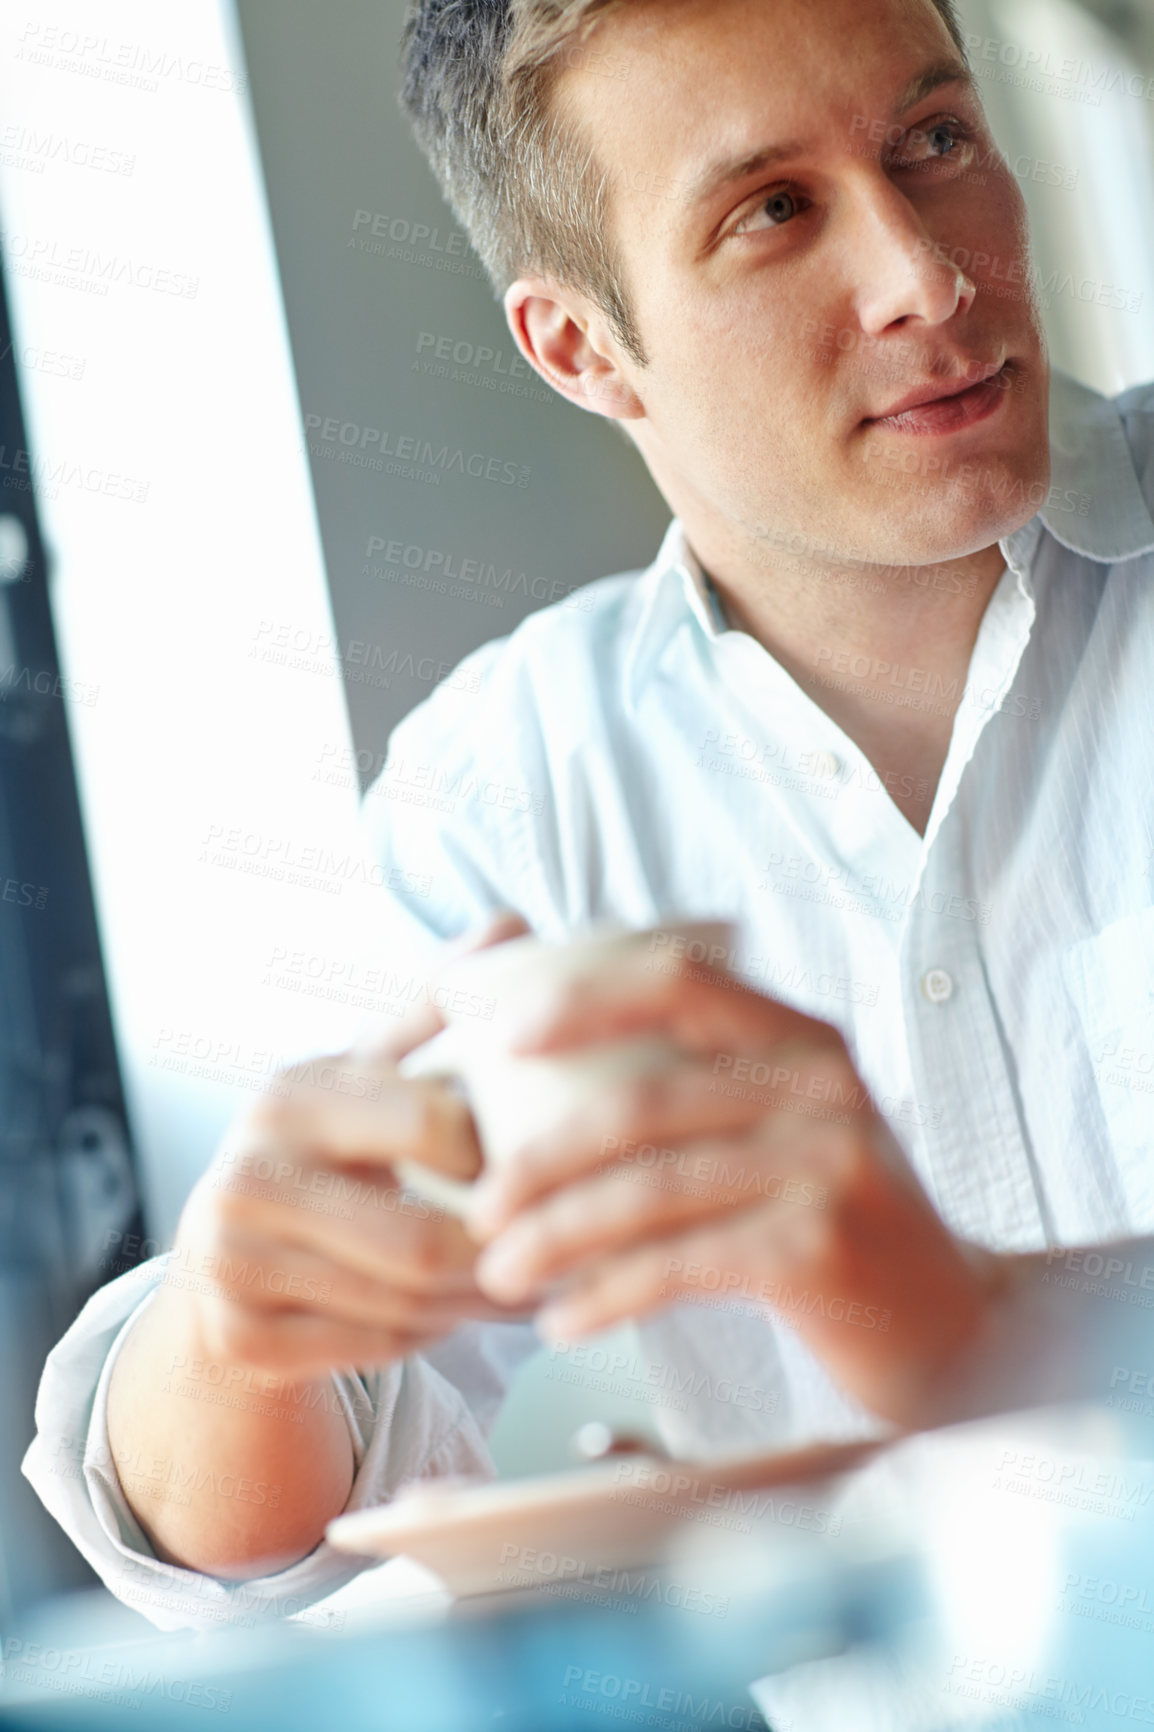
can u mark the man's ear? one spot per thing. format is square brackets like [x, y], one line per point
[567, 342]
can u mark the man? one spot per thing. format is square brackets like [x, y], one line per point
[878, 701]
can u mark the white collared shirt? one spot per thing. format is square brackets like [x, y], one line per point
[625, 755]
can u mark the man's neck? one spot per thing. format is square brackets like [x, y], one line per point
[851, 637]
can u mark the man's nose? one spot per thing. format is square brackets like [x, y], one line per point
[900, 272]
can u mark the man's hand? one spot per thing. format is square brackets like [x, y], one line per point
[757, 1168]
[298, 1251]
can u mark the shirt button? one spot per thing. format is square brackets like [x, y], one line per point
[826, 765]
[938, 986]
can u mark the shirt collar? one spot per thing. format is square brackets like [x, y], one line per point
[1094, 506]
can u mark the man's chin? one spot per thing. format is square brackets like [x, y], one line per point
[932, 523]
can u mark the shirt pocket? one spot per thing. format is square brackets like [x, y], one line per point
[1111, 979]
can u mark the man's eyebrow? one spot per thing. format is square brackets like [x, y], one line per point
[945, 72]
[729, 169]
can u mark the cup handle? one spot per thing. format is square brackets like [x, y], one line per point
[439, 1059]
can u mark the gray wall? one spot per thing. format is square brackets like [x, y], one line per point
[334, 143]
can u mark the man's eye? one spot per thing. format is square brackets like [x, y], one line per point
[941, 142]
[779, 208]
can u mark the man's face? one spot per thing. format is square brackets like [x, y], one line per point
[789, 306]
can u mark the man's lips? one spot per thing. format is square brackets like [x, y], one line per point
[945, 407]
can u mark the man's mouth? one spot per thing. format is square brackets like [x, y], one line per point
[947, 407]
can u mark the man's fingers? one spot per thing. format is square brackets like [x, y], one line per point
[641, 1281]
[381, 1237]
[355, 1216]
[697, 1007]
[634, 1284]
[349, 1296]
[425, 1020]
[286, 1278]
[645, 1122]
[382, 1270]
[352, 1110]
[629, 1205]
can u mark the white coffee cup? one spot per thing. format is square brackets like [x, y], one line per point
[511, 1095]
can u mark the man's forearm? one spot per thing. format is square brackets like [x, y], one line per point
[224, 1479]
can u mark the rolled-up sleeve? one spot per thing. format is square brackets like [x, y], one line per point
[408, 1421]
